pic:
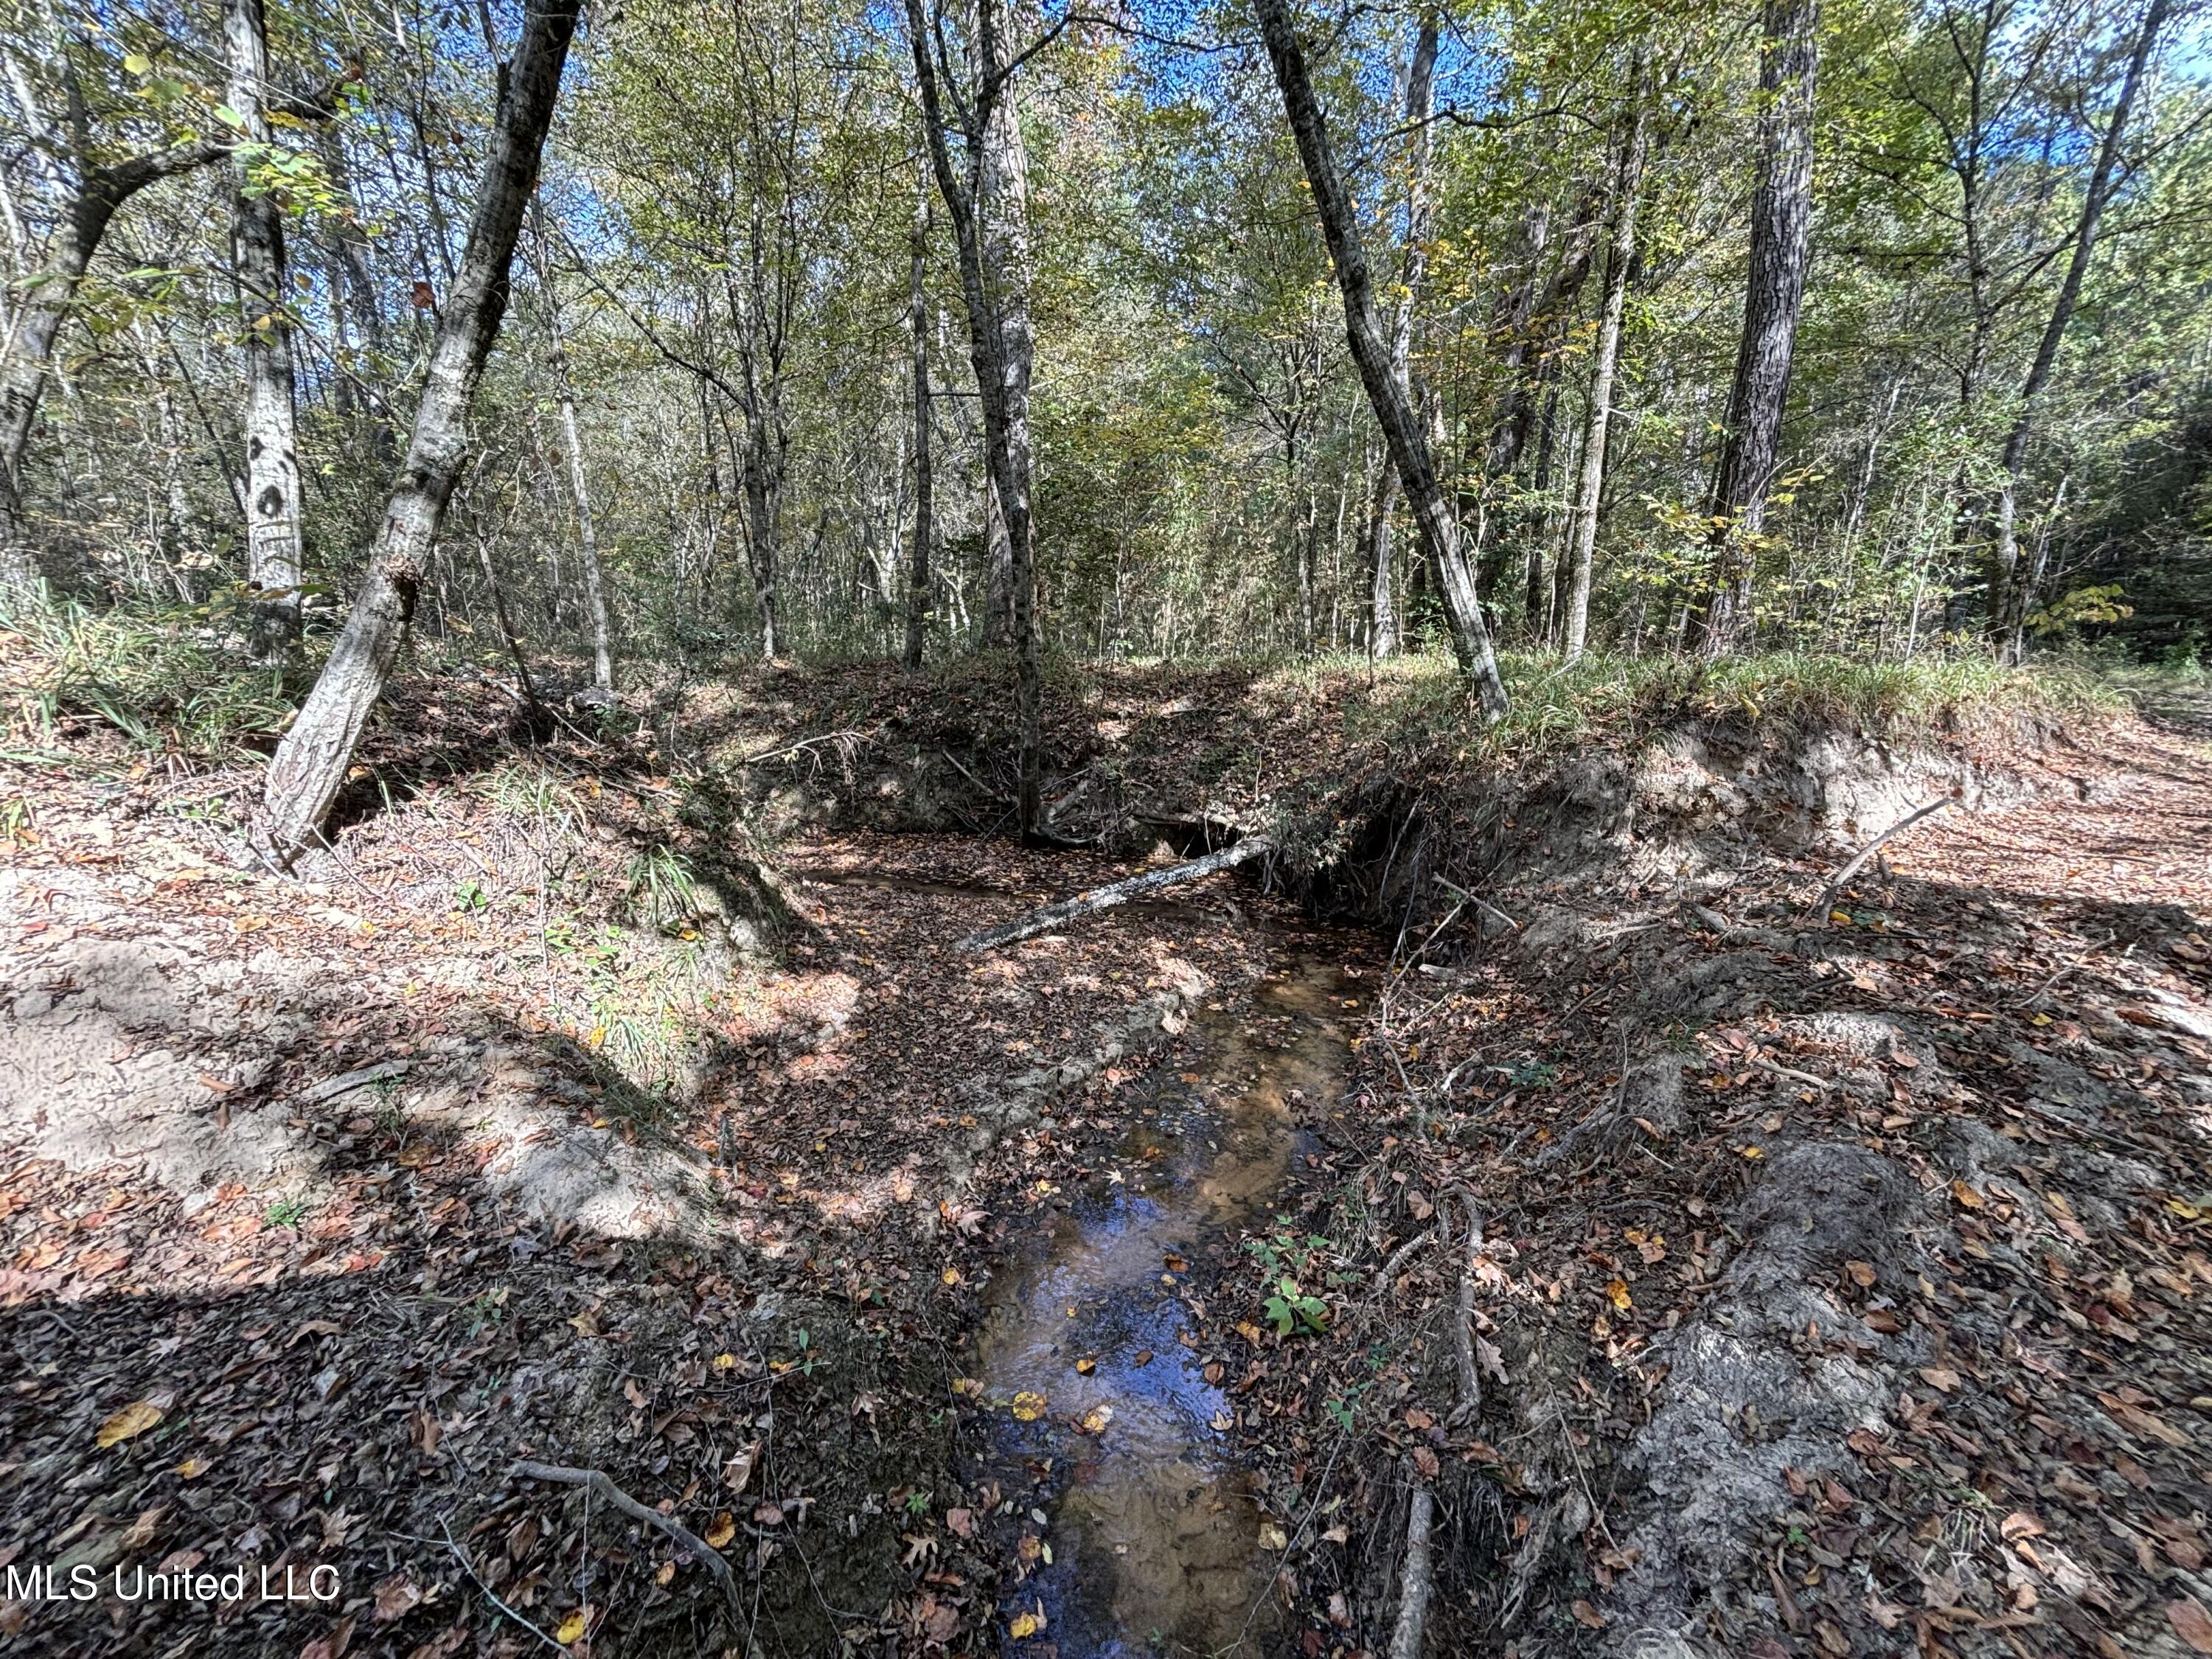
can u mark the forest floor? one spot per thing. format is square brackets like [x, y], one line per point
[1840, 1279]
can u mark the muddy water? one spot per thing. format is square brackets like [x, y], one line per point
[1154, 1535]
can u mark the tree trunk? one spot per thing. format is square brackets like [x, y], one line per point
[272, 459]
[989, 210]
[1536, 599]
[587, 535]
[46, 301]
[1420, 107]
[2008, 594]
[1628, 183]
[1393, 410]
[925, 527]
[311, 763]
[1781, 243]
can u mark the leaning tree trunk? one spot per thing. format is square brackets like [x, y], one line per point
[1781, 244]
[311, 762]
[2008, 593]
[925, 526]
[45, 305]
[1393, 410]
[1621, 256]
[1420, 100]
[272, 457]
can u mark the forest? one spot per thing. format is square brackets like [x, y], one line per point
[1075, 827]
[1878, 329]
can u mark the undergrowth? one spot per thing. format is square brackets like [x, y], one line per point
[166, 681]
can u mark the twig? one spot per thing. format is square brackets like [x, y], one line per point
[1806, 1077]
[1404, 1254]
[469, 1567]
[594, 1480]
[331, 1088]
[1479, 903]
[2064, 968]
[1828, 893]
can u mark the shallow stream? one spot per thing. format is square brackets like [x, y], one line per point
[1153, 1532]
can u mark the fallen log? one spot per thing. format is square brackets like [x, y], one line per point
[1119, 892]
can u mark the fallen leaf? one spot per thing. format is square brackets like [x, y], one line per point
[1616, 1291]
[571, 1629]
[1586, 1614]
[134, 1419]
[1029, 1405]
[2190, 1623]
[738, 1470]
[1272, 1537]
[1096, 1419]
[725, 1527]
[1941, 1377]
[397, 1597]
[1025, 1624]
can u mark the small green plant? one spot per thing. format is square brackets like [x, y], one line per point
[286, 1212]
[470, 897]
[917, 1503]
[1291, 1309]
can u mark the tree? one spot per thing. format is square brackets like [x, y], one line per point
[271, 438]
[1394, 410]
[1420, 107]
[986, 198]
[2009, 592]
[925, 526]
[564, 392]
[1604, 357]
[1781, 245]
[312, 760]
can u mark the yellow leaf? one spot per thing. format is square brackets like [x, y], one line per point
[194, 1467]
[1272, 1537]
[1754, 1153]
[1617, 1293]
[133, 1420]
[1029, 1405]
[1967, 1196]
[1084, 1367]
[1096, 1419]
[1024, 1626]
[726, 1362]
[952, 1275]
[968, 1387]
[724, 1529]
[599, 1035]
[571, 1629]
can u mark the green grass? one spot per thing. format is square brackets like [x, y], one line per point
[164, 679]
[1422, 700]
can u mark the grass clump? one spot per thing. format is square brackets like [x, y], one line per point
[162, 678]
[1618, 699]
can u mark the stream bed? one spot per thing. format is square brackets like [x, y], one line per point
[1149, 1536]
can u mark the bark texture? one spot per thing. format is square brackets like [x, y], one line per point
[272, 457]
[1394, 410]
[1605, 358]
[1781, 246]
[311, 762]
